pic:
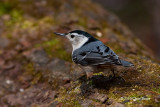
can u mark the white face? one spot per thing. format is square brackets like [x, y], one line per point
[76, 40]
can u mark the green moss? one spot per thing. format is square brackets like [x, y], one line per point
[49, 43]
[61, 53]
[99, 73]
[148, 64]
[30, 71]
[83, 22]
[157, 90]
[48, 20]
[26, 24]
[70, 97]
[5, 8]
[37, 78]
[54, 48]
[29, 68]
[116, 48]
[121, 36]
[137, 96]
[9, 36]
[16, 17]
[139, 45]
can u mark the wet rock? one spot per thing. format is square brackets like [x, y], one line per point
[10, 69]
[54, 104]
[58, 65]
[8, 66]
[157, 99]
[2, 62]
[87, 103]
[86, 89]
[7, 86]
[4, 42]
[9, 54]
[100, 97]
[119, 105]
[62, 72]
[58, 72]
[25, 43]
[67, 86]
[31, 96]
[39, 57]
[76, 72]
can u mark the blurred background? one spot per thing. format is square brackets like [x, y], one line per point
[141, 16]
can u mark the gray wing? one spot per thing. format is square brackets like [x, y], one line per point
[102, 55]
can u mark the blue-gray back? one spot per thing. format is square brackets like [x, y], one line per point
[95, 53]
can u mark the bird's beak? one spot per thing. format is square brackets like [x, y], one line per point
[60, 34]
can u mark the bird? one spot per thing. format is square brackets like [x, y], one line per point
[92, 54]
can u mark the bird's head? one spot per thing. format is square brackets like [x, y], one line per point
[77, 38]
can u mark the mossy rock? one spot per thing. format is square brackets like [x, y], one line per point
[35, 59]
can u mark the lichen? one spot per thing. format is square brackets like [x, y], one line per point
[30, 71]
[70, 97]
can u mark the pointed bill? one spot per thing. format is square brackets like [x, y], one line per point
[60, 34]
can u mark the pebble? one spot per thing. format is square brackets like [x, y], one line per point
[21, 90]
[99, 34]
[9, 82]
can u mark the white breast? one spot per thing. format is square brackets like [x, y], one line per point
[80, 42]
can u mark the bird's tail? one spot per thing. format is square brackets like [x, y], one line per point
[126, 63]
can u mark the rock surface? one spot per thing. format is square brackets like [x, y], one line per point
[36, 67]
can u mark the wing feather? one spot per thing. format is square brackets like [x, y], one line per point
[97, 58]
[95, 54]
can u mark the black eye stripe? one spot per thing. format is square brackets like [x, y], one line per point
[72, 36]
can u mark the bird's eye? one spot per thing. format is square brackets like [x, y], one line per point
[72, 36]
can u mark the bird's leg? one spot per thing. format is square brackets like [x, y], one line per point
[112, 69]
[89, 71]
[89, 74]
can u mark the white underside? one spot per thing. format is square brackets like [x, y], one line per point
[79, 43]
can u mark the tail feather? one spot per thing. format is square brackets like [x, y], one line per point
[126, 63]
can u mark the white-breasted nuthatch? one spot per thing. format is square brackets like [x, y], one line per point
[91, 53]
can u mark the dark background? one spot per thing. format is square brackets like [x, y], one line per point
[141, 16]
